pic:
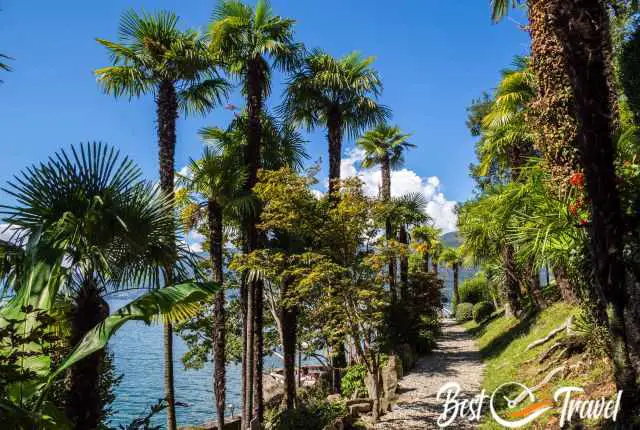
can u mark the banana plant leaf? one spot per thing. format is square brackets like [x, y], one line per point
[169, 304]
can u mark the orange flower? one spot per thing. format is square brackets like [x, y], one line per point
[577, 179]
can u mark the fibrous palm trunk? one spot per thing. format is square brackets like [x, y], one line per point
[403, 238]
[334, 137]
[253, 398]
[582, 27]
[534, 288]
[385, 194]
[425, 262]
[84, 406]
[511, 291]
[567, 291]
[456, 274]
[289, 320]
[167, 112]
[214, 212]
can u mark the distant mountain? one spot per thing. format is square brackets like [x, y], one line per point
[450, 240]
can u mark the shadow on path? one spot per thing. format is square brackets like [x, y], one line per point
[456, 359]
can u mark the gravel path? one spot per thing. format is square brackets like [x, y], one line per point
[456, 359]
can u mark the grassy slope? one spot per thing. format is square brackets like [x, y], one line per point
[502, 342]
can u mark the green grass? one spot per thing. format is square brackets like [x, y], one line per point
[502, 342]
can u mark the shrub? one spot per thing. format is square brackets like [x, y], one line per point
[352, 381]
[464, 312]
[474, 290]
[312, 412]
[482, 311]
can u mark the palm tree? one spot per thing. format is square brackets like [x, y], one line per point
[114, 229]
[409, 210]
[452, 258]
[154, 56]
[425, 237]
[569, 37]
[251, 41]
[339, 94]
[385, 146]
[215, 184]
[436, 250]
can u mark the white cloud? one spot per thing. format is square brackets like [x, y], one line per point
[195, 240]
[8, 232]
[404, 181]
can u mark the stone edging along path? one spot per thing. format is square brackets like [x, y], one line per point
[456, 359]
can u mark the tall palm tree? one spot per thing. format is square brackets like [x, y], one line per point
[384, 146]
[114, 229]
[569, 37]
[452, 258]
[339, 94]
[409, 210]
[215, 184]
[252, 41]
[154, 56]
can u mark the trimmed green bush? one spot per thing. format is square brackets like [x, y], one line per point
[482, 311]
[464, 312]
[474, 290]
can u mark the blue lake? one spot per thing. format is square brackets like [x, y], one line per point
[138, 351]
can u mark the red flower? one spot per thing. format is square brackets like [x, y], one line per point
[573, 208]
[577, 179]
[584, 221]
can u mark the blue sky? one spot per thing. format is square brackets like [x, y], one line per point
[434, 57]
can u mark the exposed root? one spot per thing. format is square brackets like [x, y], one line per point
[552, 333]
[549, 352]
[542, 383]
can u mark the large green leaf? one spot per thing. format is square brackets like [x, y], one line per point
[173, 303]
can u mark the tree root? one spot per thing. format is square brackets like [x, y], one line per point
[552, 333]
[542, 383]
[549, 352]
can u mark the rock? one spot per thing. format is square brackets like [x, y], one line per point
[358, 401]
[334, 398]
[356, 409]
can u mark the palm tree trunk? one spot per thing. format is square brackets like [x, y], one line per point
[334, 136]
[456, 273]
[553, 116]
[85, 406]
[253, 395]
[582, 26]
[289, 320]
[214, 212]
[434, 265]
[425, 262]
[167, 112]
[534, 288]
[564, 284]
[245, 371]
[511, 287]
[404, 264]
[385, 194]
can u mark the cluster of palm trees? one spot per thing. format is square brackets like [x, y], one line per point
[555, 154]
[191, 73]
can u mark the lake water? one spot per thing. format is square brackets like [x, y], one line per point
[138, 351]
